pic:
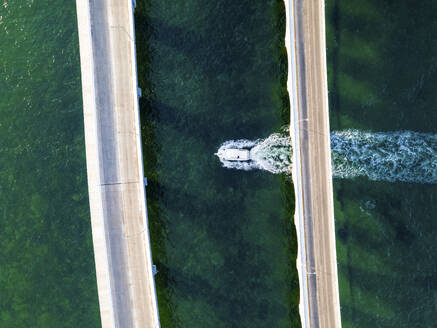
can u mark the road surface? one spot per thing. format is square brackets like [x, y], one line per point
[312, 172]
[122, 252]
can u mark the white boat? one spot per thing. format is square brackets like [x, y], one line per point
[236, 154]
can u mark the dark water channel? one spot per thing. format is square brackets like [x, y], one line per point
[382, 61]
[223, 240]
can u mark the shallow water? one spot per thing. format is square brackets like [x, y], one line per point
[47, 276]
[223, 240]
[381, 62]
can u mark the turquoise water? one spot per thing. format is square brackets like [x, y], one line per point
[382, 59]
[223, 240]
[47, 276]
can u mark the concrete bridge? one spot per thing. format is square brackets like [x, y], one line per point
[122, 252]
[312, 172]
[125, 281]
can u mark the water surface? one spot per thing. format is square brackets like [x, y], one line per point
[382, 58]
[47, 275]
[223, 240]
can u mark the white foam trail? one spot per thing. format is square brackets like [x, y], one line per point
[273, 154]
[385, 156]
[389, 156]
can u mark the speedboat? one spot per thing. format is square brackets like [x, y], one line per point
[236, 154]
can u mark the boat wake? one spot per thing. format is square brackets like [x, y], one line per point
[381, 156]
[272, 154]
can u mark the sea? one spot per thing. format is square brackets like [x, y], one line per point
[47, 275]
[223, 240]
[382, 62]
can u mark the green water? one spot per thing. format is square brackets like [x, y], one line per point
[47, 276]
[382, 61]
[223, 241]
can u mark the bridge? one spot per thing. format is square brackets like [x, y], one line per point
[312, 172]
[124, 268]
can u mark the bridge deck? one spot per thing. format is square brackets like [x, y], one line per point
[317, 262]
[114, 164]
